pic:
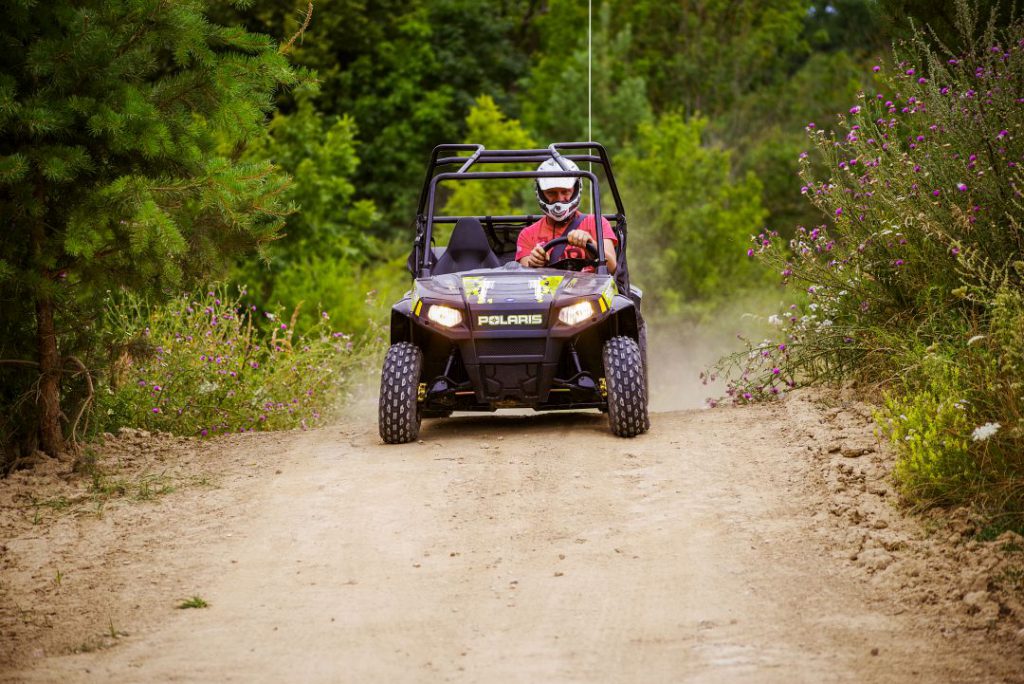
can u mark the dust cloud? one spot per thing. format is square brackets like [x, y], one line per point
[680, 349]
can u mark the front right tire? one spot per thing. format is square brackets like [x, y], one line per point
[627, 387]
[398, 412]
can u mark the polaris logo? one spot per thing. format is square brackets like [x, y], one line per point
[510, 319]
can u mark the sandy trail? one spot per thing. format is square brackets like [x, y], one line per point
[517, 548]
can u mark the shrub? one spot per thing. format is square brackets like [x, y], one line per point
[209, 364]
[689, 216]
[913, 282]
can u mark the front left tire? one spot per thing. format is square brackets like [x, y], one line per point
[398, 412]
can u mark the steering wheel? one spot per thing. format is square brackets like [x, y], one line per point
[571, 263]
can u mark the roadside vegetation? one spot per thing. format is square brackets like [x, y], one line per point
[911, 281]
[275, 149]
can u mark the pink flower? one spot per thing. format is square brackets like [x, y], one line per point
[156, 409]
[855, 110]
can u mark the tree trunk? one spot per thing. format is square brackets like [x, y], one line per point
[51, 438]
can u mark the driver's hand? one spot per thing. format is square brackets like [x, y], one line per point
[537, 258]
[579, 238]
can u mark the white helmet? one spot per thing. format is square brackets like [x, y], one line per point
[559, 211]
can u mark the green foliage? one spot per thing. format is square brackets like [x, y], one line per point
[689, 217]
[407, 72]
[194, 602]
[357, 295]
[487, 125]
[115, 115]
[701, 55]
[211, 364]
[318, 151]
[327, 255]
[555, 102]
[918, 271]
[930, 427]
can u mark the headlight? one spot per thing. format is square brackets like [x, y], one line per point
[444, 315]
[577, 313]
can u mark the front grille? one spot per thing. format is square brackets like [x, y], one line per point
[529, 346]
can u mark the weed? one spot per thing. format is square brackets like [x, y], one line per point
[194, 602]
[58, 577]
[115, 633]
[150, 487]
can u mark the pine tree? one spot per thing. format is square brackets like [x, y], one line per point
[122, 123]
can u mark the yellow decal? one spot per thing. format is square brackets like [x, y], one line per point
[478, 287]
[545, 287]
[608, 294]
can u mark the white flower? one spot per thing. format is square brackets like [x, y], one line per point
[985, 431]
[976, 338]
[774, 320]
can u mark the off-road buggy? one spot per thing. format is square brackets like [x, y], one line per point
[479, 332]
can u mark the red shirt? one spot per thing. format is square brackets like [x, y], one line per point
[544, 231]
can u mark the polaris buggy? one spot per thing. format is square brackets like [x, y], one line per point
[479, 332]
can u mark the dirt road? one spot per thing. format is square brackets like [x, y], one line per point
[531, 548]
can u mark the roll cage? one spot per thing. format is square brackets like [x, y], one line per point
[592, 152]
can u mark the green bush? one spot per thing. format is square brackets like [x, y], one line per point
[352, 293]
[688, 215]
[208, 364]
[931, 425]
[923, 250]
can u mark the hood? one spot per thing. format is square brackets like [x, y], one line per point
[533, 288]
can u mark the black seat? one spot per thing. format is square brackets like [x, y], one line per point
[468, 249]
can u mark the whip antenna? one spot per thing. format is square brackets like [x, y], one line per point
[590, 81]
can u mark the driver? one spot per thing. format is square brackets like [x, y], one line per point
[559, 199]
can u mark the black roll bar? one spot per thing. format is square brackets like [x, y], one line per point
[424, 264]
[446, 156]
